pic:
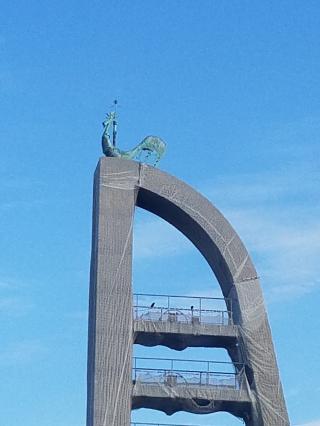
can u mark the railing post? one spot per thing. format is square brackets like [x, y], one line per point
[137, 306]
[135, 369]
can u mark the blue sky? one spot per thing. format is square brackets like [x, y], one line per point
[233, 87]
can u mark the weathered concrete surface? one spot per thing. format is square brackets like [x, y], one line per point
[110, 311]
[194, 399]
[179, 336]
[116, 189]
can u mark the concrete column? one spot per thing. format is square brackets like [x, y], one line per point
[110, 311]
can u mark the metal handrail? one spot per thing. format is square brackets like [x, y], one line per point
[160, 424]
[168, 311]
[173, 376]
[181, 297]
[175, 370]
[186, 378]
[156, 424]
[173, 360]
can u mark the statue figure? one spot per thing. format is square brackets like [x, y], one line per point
[150, 145]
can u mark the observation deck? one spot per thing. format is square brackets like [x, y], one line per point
[199, 387]
[179, 322]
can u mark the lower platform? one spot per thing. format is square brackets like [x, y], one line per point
[197, 400]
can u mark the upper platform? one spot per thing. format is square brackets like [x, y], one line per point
[179, 322]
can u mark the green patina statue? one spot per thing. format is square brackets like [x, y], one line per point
[151, 146]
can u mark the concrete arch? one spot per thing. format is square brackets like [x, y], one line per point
[203, 224]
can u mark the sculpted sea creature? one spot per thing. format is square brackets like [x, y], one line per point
[150, 145]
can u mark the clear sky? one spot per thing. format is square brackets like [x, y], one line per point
[233, 87]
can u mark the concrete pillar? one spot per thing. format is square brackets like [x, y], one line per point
[110, 317]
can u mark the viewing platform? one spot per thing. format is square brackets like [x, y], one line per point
[172, 385]
[183, 321]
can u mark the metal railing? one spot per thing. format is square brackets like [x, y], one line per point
[182, 309]
[155, 424]
[163, 424]
[176, 372]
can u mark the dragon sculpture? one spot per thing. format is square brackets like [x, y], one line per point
[150, 145]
